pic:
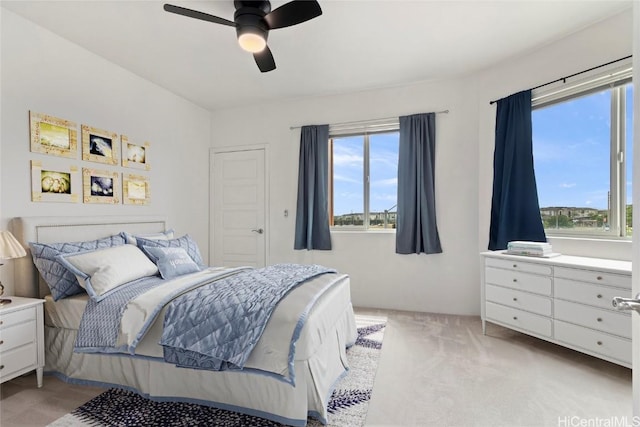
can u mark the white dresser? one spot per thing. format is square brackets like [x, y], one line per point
[21, 338]
[565, 300]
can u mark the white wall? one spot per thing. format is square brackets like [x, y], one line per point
[47, 74]
[447, 282]
[44, 73]
[439, 283]
[606, 41]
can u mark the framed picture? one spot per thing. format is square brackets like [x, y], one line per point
[51, 135]
[54, 184]
[135, 190]
[99, 145]
[134, 155]
[100, 186]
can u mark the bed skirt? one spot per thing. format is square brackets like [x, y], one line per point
[254, 393]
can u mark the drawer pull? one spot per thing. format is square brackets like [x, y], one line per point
[599, 278]
[515, 299]
[515, 265]
[599, 319]
[1, 367]
[515, 317]
[1, 322]
[599, 296]
[515, 280]
[1, 342]
[599, 343]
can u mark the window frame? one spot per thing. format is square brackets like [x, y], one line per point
[613, 79]
[364, 130]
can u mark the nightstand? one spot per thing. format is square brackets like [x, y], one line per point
[21, 338]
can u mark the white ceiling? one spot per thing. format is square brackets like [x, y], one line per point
[355, 45]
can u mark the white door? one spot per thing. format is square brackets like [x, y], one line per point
[238, 208]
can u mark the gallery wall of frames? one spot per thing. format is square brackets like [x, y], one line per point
[58, 179]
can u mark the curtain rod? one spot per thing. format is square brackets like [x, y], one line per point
[365, 121]
[564, 79]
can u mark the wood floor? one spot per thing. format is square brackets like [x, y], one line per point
[435, 370]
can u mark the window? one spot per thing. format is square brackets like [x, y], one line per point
[364, 180]
[582, 150]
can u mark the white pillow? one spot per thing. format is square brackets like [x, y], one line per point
[162, 235]
[101, 272]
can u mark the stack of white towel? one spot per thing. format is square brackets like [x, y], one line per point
[540, 249]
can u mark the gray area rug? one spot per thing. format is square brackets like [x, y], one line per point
[347, 407]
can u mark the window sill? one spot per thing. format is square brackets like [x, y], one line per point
[594, 247]
[589, 237]
[361, 231]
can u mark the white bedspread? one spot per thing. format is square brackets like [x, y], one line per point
[283, 341]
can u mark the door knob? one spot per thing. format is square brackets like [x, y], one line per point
[258, 230]
[625, 304]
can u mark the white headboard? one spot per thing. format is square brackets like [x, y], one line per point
[69, 229]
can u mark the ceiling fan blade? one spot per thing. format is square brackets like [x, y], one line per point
[293, 13]
[198, 15]
[265, 60]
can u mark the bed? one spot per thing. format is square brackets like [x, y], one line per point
[322, 323]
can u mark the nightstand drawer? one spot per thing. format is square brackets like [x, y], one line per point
[516, 265]
[15, 317]
[17, 335]
[587, 293]
[599, 277]
[517, 299]
[519, 319]
[594, 318]
[518, 280]
[597, 342]
[17, 359]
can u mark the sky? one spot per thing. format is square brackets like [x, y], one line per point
[348, 154]
[571, 151]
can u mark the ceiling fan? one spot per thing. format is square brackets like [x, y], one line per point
[253, 19]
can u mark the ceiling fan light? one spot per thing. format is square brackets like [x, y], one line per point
[252, 42]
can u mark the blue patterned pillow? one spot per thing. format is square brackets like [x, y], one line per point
[185, 242]
[172, 262]
[61, 281]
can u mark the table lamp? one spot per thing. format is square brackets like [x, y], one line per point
[9, 248]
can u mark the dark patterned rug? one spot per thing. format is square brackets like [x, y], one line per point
[347, 407]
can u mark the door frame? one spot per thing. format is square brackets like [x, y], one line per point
[635, 270]
[267, 223]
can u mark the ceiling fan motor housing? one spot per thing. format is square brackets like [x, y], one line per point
[249, 17]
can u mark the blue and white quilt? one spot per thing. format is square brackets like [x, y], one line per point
[212, 319]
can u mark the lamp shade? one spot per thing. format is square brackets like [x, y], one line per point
[9, 246]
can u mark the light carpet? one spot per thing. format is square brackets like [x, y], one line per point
[347, 407]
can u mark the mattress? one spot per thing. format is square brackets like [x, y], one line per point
[65, 313]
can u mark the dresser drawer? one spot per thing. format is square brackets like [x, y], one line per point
[597, 342]
[17, 335]
[587, 293]
[19, 358]
[518, 280]
[9, 319]
[518, 299]
[519, 319]
[592, 276]
[526, 267]
[594, 318]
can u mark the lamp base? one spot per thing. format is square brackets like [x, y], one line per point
[4, 301]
